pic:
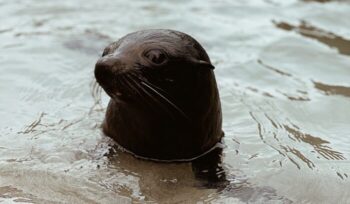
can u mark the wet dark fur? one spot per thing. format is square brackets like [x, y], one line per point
[167, 111]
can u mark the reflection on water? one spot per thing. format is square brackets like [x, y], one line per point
[274, 69]
[295, 135]
[299, 96]
[331, 89]
[317, 143]
[321, 1]
[328, 38]
[285, 98]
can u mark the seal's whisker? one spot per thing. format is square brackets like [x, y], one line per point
[127, 79]
[154, 86]
[96, 91]
[132, 84]
[150, 96]
[143, 93]
[145, 80]
[149, 86]
[137, 75]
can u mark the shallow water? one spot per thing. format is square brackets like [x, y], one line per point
[283, 72]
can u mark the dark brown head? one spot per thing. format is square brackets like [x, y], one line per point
[155, 56]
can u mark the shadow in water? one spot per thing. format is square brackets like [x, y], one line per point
[298, 95]
[278, 71]
[206, 179]
[317, 143]
[328, 38]
[333, 89]
[90, 42]
[208, 169]
[163, 182]
[324, 1]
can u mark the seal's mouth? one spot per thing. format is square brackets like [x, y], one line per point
[116, 91]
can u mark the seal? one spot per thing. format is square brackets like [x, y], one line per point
[164, 102]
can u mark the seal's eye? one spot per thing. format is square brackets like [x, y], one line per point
[156, 56]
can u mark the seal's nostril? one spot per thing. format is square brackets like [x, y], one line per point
[103, 73]
[111, 64]
[106, 68]
[107, 61]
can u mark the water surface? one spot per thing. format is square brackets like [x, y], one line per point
[283, 70]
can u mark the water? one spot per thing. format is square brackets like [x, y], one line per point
[283, 73]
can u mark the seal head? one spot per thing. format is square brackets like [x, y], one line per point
[164, 99]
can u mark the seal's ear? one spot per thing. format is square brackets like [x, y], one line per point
[203, 64]
[206, 64]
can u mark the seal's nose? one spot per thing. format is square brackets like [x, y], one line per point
[106, 69]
